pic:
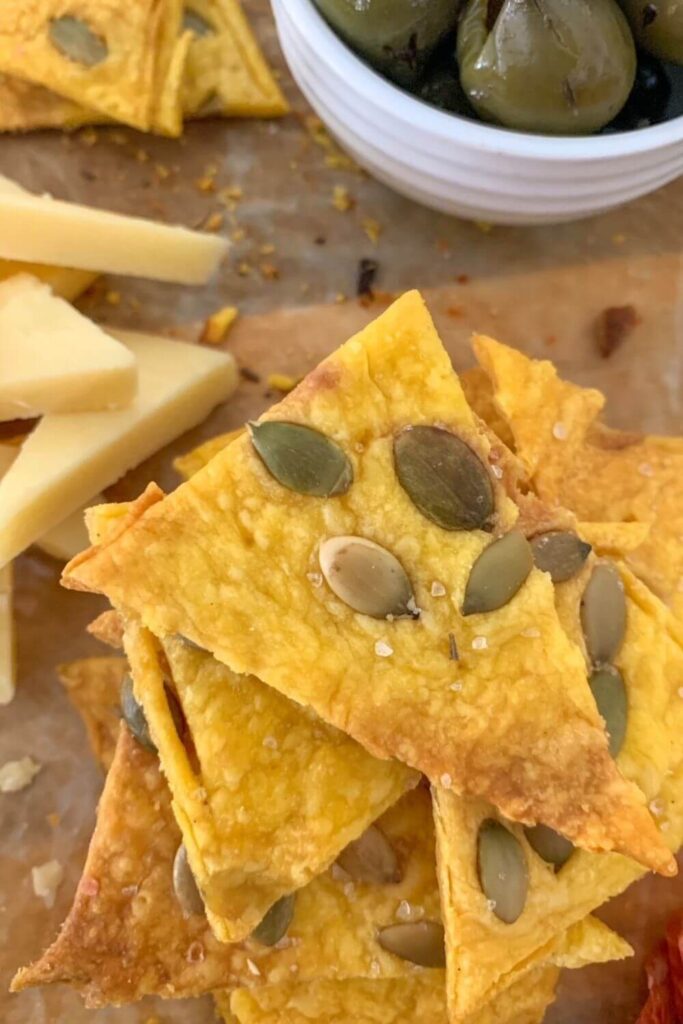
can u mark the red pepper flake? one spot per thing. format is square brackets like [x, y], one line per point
[613, 327]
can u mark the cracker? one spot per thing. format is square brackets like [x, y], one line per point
[268, 796]
[93, 686]
[598, 473]
[227, 563]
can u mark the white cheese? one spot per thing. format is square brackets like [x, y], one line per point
[70, 457]
[68, 538]
[39, 229]
[53, 359]
[17, 775]
[46, 880]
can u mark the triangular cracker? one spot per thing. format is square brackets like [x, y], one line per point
[93, 686]
[598, 473]
[268, 796]
[231, 562]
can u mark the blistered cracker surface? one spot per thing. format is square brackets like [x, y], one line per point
[276, 794]
[122, 86]
[406, 1001]
[598, 473]
[227, 559]
[125, 936]
[190, 463]
[25, 107]
[93, 686]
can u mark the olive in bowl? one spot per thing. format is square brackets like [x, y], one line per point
[657, 26]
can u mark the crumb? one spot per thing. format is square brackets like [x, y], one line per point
[46, 879]
[218, 325]
[162, 172]
[142, 156]
[463, 279]
[250, 375]
[341, 199]
[269, 271]
[206, 183]
[53, 819]
[455, 311]
[613, 327]
[267, 250]
[88, 137]
[340, 298]
[383, 650]
[446, 781]
[238, 234]
[17, 775]
[560, 432]
[372, 228]
[112, 298]
[214, 222]
[480, 643]
[281, 382]
[244, 269]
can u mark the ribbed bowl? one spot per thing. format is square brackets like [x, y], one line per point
[459, 166]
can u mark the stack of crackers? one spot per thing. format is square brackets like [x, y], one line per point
[149, 64]
[402, 698]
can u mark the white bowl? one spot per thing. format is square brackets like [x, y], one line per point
[459, 166]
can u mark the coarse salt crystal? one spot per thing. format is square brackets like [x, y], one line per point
[253, 969]
[480, 643]
[315, 579]
[383, 650]
[497, 472]
[437, 589]
[349, 890]
[375, 969]
[532, 632]
[491, 904]
[404, 911]
[455, 687]
[560, 432]
[46, 879]
[656, 807]
[446, 781]
[645, 469]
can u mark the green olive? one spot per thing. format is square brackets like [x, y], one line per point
[395, 36]
[657, 26]
[546, 65]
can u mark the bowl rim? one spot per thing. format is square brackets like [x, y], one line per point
[448, 127]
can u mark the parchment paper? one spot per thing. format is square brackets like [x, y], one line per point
[541, 289]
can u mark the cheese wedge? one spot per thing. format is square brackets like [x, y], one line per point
[53, 359]
[66, 539]
[44, 230]
[70, 457]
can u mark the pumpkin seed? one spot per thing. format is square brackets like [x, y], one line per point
[502, 870]
[189, 643]
[371, 858]
[498, 574]
[549, 845]
[134, 715]
[276, 922]
[419, 942]
[76, 41]
[444, 478]
[184, 884]
[302, 459]
[603, 613]
[609, 690]
[560, 553]
[367, 577]
[194, 22]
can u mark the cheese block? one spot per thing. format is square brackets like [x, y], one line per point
[68, 538]
[7, 667]
[53, 359]
[44, 230]
[64, 281]
[69, 457]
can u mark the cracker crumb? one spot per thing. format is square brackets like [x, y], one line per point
[244, 269]
[267, 250]
[437, 589]
[342, 200]
[560, 431]
[238, 234]
[253, 968]
[214, 222]
[17, 775]
[340, 298]
[480, 643]
[231, 194]
[383, 650]
[372, 228]
[282, 382]
[446, 780]
[46, 879]
[162, 171]
[218, 325]
[269, 271]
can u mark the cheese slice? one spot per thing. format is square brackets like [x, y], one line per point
[68, 538]
[70, 457]
[44, 230]
[64, 281]
[53, 359]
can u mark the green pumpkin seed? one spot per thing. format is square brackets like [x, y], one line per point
[276, 922]
[444, 478]
[419, 942]
[549, 845]
[609, 690]
[371, 858]
[561, 553]
[194, 22]
[184, 884]
[498, 574]
[502, 870]
[134, 715]
[302, 459]
[367, 577]
[603, 614]
[76, 41]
